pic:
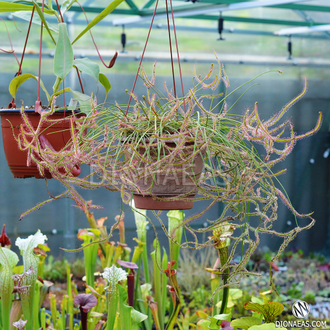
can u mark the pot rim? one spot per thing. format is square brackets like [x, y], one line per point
[17, 110]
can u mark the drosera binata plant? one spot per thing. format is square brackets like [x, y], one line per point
[233, 171]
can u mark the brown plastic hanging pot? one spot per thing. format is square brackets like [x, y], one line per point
[55, 135]
[170, 183]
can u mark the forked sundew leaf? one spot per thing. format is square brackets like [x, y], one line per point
[245, 322]
[270, 310]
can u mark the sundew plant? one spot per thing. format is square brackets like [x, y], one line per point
[130, 148]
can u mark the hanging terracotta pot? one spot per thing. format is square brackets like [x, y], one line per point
[54, 134]
[179, 177]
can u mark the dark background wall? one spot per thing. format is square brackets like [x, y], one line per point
[306, 181]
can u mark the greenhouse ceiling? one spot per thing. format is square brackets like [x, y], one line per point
[237, 21]
[308, 17]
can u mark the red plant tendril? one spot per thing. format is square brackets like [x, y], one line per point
[26, 40]
[171, 52]
[113, 60]
[11, 45]
[144, 49]
[177, 52]
[59, 10]
[38, 102]
[12, 104]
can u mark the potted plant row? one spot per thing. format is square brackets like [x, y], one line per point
[54, 132]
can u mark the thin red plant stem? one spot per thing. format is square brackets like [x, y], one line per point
[177, 51]
[59, 10]
[63, 114]
[26, 40]
[11, 45]
[80, 82]
[144, 49]
[112, 61]
[40, 50]
[170, 43]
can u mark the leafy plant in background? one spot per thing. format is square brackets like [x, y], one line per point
[64, 60]
[105, 304]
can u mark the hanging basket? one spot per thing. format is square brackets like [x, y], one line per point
[165, 178]
[55, 133]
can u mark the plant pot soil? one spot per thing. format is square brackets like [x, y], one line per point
[57, 134]
[171, 183]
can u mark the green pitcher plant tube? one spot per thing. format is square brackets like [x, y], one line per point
[8, 260]
[113, 275]
[31, 263]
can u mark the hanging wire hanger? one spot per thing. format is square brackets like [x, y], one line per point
[171, 52]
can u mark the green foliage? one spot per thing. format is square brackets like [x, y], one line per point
[295, 291]
[87, 66]
[17, 81]
[269, 311]
[245, 322]
[266, 326]
[99, 18]
[63, 59]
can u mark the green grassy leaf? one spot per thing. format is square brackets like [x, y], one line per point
[19, 80]
[105, 82]
[266, 326]
[245, 322]
[99, 18]
[8, 7]
[42, 17]
[270, 310]
[124, 310]
[63, 59]
[61, 91]
[66, 5]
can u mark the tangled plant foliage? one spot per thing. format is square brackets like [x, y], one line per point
[163, 133]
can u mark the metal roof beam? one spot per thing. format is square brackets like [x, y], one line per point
[132, 5]
[148, 4]
[292, 6]
[253, 20]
